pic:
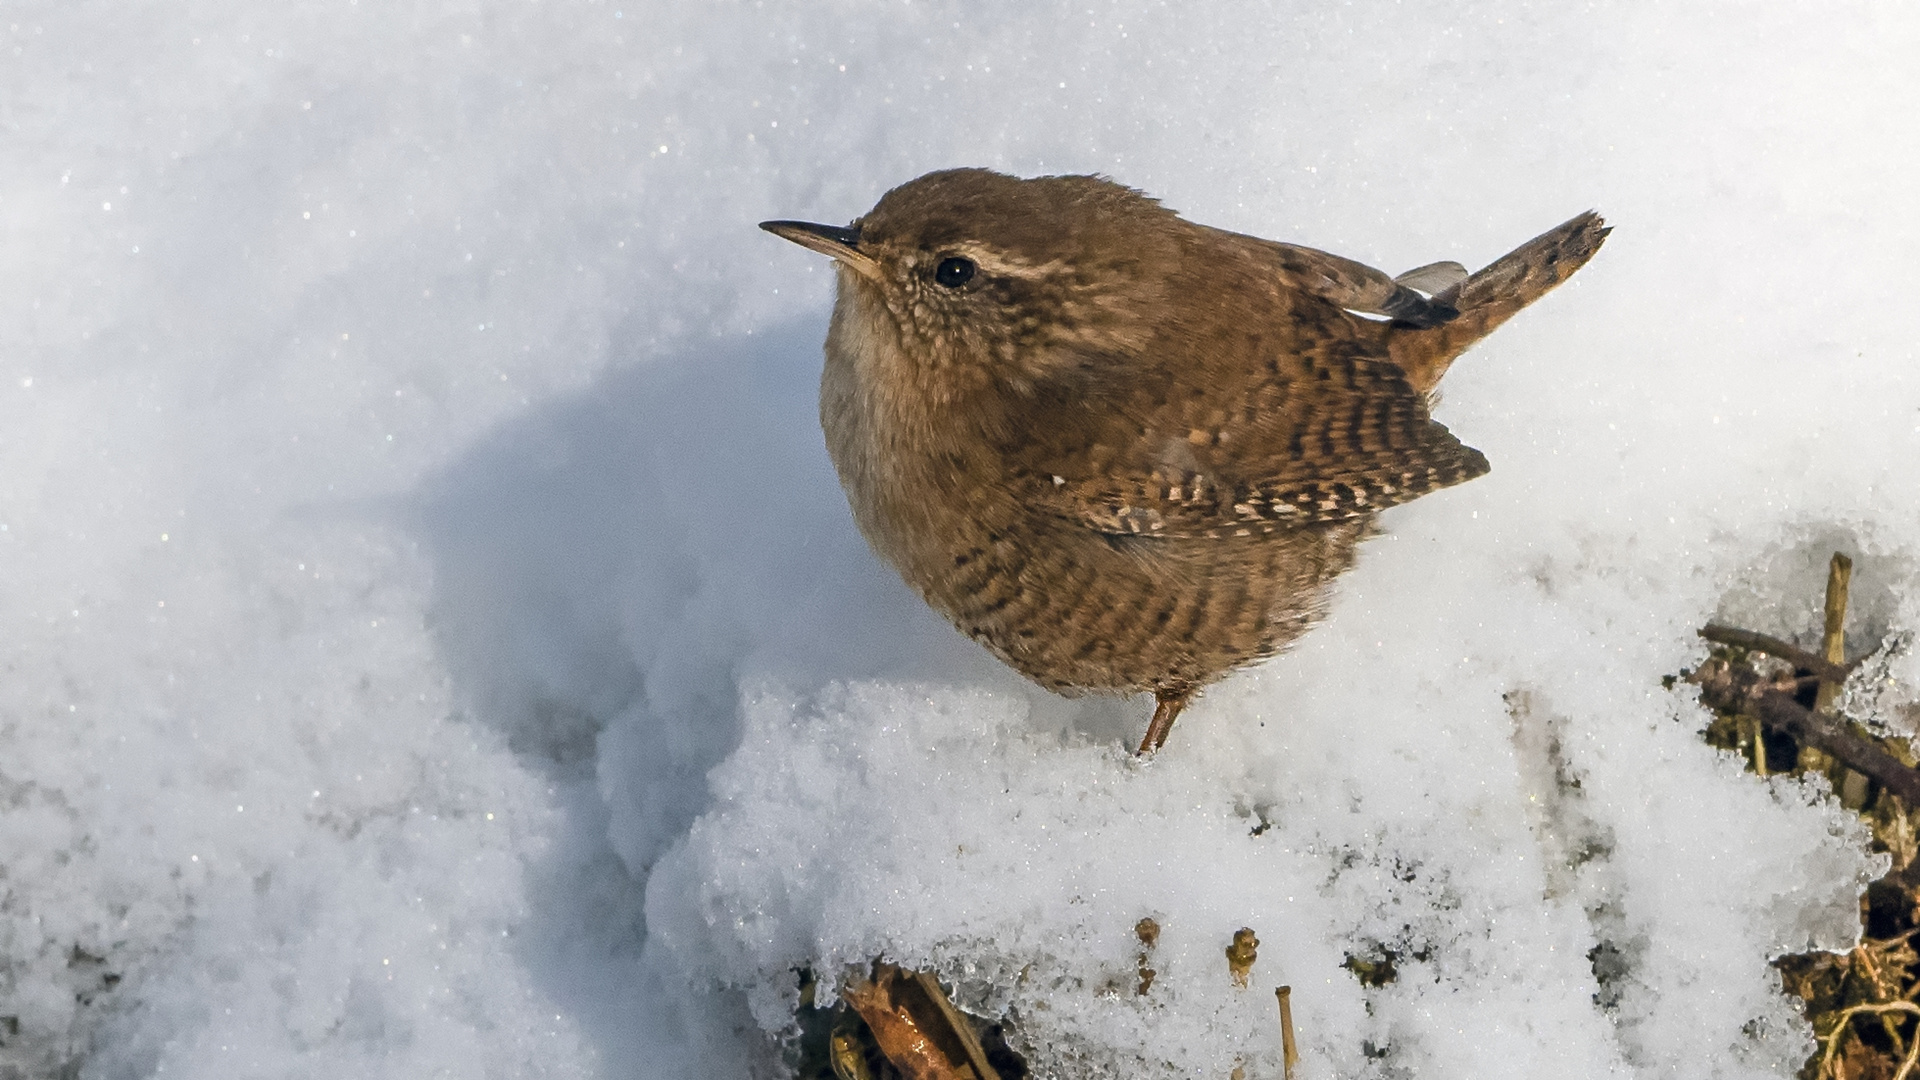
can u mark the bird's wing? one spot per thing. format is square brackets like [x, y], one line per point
[1435, 278]
[1274, 442]
[1358, 287]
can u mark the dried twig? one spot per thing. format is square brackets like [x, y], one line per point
[1841, 1028]
[1728, 690]
[1289, 1053]
[1724, 689]
[1759, 737]
[1773, 646]
[1834, 639]
[1779, 711]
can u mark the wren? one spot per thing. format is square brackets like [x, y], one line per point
[1123, 451]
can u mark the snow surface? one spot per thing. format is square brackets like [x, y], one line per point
[434, 643]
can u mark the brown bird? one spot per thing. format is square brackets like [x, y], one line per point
[1123, 451]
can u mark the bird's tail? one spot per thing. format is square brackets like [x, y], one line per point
[1490, 297]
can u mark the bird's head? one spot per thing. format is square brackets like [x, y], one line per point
[979, 277]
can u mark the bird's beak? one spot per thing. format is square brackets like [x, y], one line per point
[841, 242]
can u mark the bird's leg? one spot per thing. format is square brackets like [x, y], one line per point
[1168, 705]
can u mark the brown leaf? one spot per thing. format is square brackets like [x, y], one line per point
[918, 1030]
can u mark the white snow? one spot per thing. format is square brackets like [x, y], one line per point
[432, 641]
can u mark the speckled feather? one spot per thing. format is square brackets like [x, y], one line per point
[1129, 452]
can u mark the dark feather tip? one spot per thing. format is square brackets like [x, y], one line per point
[1425, 315]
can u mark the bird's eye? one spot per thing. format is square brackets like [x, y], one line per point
[954, 272]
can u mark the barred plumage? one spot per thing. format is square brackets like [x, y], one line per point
[1124, 451]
